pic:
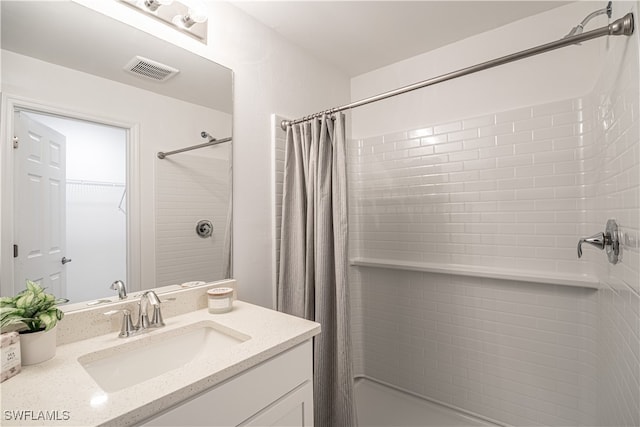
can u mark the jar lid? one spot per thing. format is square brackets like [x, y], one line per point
[220, 292]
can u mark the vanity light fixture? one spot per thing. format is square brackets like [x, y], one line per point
[187, 16]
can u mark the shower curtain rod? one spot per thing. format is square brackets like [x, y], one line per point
[621, 26]
[162, 154]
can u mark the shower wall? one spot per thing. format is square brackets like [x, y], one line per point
[466, 287]
[190, 188]
[499, 195]
[613, 187]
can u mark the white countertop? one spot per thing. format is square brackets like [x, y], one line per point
[62, 387]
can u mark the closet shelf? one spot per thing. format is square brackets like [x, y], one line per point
[562, 279]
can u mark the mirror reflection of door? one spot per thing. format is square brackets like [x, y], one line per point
[70, 206]
[39, 204]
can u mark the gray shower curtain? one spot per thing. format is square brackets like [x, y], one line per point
[312, 279]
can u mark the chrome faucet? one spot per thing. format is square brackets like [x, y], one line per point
[144, 324]
[149, 297]
[119, 286]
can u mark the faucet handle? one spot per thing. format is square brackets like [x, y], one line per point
[156, 318]
[127, 328]
[143, 317]
[609, 241]
[149, 297]
[598, 240]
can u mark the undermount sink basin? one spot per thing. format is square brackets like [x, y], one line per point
[131, 363]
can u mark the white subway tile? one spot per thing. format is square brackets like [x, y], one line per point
[553, 132]
[496, 152]
[420, 151]
[497, 174]
[516, 183]
[555, 181]
[533, 147]
[447, 128]
[471, 144]
[479, 164]
[521, 160]
[480, 186]
[533, 124]
[437, 139]
[568, 118]
[446, 148]
[461, 156]
[536, 171]
[514, 115]
[570, 142]
[463, 135]
[511, 205]
[397, 136]
[464, 176]
[499, 129]
[553, 108]
[554, 156]
[478, 122]
[408, 143]
[419, 133]
[514, 138]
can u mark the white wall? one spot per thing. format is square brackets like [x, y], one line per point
[520, 353]
[270, 75]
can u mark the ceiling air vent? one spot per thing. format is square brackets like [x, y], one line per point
[149, 69]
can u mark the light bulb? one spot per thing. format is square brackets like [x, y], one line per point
[194, 16]
[153, 5]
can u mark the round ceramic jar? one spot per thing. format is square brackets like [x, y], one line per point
[220, 300]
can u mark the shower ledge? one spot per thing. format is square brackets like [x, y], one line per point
[555, 278]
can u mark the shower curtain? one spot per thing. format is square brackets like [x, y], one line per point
[312, 279]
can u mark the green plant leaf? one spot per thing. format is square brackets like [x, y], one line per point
[32, 307]
[11, 316]
[34, 287]
[11, 311]
[7, 302]
[48, 319]
[25, 300]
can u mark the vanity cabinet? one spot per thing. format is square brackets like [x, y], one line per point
[277, 392]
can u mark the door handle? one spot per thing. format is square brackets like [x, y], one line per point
[65, 260]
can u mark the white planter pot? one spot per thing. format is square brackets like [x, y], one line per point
[37, 347]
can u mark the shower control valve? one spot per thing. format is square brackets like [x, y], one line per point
[608, 240]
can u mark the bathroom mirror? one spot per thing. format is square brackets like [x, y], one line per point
[117, 211]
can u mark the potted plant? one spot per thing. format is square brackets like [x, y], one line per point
[34, 314]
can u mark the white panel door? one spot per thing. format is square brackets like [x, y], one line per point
[39, 205]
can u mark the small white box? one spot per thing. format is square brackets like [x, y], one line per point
[10, 355]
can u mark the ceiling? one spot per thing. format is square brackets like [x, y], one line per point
[360, 36]
[102, 46]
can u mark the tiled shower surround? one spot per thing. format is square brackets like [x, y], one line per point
[503, 190]
[514, 191]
